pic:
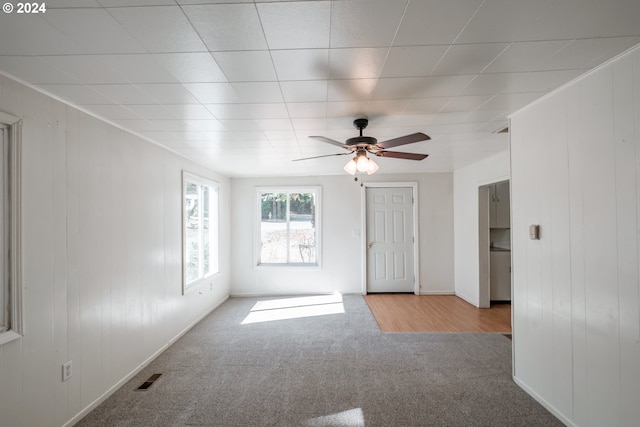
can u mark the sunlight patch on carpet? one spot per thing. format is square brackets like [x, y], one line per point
[295, 308]
[350, 418]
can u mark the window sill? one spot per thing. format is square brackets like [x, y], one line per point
[201, 285]
[8, 336]
[290, 266]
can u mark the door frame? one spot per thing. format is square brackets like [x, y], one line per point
[363, 235]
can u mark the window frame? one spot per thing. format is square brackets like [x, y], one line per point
[214, 224]
[317, 190]
[11, 223]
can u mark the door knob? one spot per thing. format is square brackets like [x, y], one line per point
[369, 245]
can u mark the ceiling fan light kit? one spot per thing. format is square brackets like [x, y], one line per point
[361, 163]
[361, 145]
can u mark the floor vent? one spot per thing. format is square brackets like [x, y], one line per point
[148, 383]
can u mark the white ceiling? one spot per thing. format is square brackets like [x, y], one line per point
[240, 85]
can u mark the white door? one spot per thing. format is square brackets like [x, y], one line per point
[389, 239]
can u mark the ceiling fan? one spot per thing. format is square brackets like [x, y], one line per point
[360, 145]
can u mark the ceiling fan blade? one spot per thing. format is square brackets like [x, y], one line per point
[407, 139]
[401, 155]
[325, 155]
[331, 141]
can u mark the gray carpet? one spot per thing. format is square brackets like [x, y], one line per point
[326, 370]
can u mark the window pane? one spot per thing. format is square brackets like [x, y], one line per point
[302, 243]
[206, 236]
[273, 228]
[192, 232]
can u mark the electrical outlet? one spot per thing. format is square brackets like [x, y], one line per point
[66, 371]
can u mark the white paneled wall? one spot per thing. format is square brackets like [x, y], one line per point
[575, 172]
[101, 256]
[466, 182]
[342, 252]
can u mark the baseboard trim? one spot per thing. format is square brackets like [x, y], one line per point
[437, 293]
[549, 407]
[76, 418]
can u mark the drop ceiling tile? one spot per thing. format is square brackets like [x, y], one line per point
[35, 70]
[301, 64]
[228, 111]
[441, 86]
[204, 125]
[304, 91]
[198, 67]
[587, 53]
[116, 3]
[591, 18]
[52, 4]
[301, 110]
[421, 121]
[413, 61]
[138, 68]
[267, 111]
[309, 124]
[257, 92]
[434, 21]
[152, 112]
[525, 56]
[190, 112]
[468, 58]
[450, 118]
[171, 125]
[274, 124]
[298, 25]
[246, 66]
[88, 69]
[93, 29]
[124, 93]
[159, 28]
[212, 93]
[243, 125]
[346, 108]
[356, 63]
[350, 90]
[465, 103]
[364, 23]
[173, 93]
[378, 107]
[34, 36]
[228, 26]
[487, 84]
[426, 105]
[76, 94]
[507, 20]
[397, 87]
[279, 135]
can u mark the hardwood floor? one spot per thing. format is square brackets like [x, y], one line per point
[436, 313]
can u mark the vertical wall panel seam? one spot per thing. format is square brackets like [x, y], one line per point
[570, 257]
[617, 225]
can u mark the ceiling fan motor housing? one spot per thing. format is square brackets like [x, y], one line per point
[367, 140]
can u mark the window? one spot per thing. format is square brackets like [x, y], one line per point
[288, 224]
[200, 213]
[10, 288]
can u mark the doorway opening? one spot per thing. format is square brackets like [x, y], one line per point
[494, 237]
